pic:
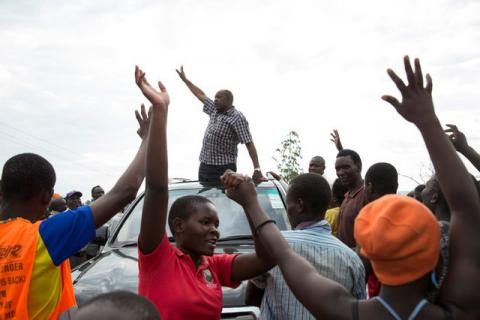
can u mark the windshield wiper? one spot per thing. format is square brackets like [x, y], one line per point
[237, 237]
[134, 243]
[128, 244]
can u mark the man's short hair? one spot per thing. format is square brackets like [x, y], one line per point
[354, 155]
[318, 158]
[384, 178]
[183, 207]
[313, 189]
[91, 191]
[228, 94]
[132, 305]
[26, 175]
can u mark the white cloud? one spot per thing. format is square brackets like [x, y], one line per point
[310, 66]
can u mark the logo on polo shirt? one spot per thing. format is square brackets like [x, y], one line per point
[207, 276]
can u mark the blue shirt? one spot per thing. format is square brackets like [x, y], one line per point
[60, 237]
[330, 257]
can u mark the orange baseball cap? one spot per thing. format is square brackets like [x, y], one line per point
[400, 237]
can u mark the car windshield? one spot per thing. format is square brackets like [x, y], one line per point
[233, 222]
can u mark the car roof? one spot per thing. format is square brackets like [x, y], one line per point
[195, 185]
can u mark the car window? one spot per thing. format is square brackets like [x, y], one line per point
[233, 221]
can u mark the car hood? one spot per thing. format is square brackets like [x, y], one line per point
[117, 269]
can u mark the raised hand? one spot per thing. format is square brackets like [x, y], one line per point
[239, 187]
[157, 98]
[417, 103]
[457, 137]
[143, 121]
[181, 73]
[335, 138]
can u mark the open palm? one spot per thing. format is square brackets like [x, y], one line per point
[157, 98]
[417, 103]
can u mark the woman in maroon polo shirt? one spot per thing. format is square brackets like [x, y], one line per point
[185, 281]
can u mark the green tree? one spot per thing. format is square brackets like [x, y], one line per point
[288, 156]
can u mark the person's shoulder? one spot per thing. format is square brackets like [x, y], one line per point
[219, 257]
[69, 214]
[236, 114]
[315, 236]
[163, 248]
[332, 211]
[304, 241]
[208, 100]
[209, 106]
[305, 236]
[287, 233]
[80, 219]
[222, 260]
[358, 192]
[81, 209]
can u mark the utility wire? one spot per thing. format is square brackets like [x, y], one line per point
[40, 139]
[16, 140]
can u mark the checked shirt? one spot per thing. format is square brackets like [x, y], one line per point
[224, 132]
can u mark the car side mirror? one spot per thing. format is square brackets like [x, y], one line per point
[101, 236]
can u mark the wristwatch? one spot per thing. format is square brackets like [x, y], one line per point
[257, 169]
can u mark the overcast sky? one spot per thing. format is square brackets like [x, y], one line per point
[67, 89]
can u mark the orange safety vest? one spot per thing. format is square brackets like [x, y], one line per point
[18, 245]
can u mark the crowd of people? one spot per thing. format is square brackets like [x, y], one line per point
[418, 255]
[72, 200]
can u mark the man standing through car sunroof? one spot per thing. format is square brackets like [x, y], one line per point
[226, 129]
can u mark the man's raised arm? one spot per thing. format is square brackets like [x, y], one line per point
[460, 143]
[197, 92]
[335, 138]
[459, 291]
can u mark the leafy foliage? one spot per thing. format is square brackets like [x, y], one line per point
[288, 156]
